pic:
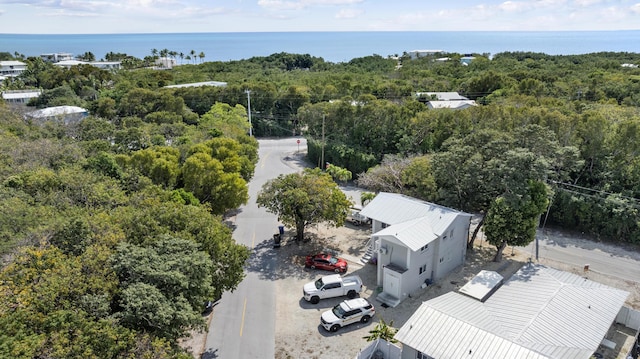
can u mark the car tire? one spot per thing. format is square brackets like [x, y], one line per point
[351, 294]
[365, 319]
[315, 299]
[312, 266]
[337, 270]
[334, 328]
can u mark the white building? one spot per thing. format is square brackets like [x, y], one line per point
[65, 114]
[12, 68]
[539, 313]
[105, 65]
[20, 97]
[56, 57]
[198, 84]
[416, 243]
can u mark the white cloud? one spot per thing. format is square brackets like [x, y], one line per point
[349, 13]
[302, 4]
[635, 8]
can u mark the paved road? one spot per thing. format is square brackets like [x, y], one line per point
[605, 259]
[243, 323]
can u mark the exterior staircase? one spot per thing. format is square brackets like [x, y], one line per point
[370, 252]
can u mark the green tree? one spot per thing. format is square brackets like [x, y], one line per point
[382, 330]
[303, 199]
[163, 286]
[512, 220]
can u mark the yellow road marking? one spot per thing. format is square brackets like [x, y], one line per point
[243, 311]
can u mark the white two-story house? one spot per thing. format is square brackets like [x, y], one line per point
[415, 243]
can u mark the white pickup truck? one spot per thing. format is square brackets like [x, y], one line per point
[332, 286]
[356, 218]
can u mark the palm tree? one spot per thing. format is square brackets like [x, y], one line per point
[181, 57]
[382, 331]
[193, 55]
[201, 56]
[154, 52]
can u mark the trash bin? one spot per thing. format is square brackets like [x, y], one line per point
[276, 240]
[281, 230]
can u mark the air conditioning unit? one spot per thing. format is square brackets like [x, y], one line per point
[383, 250]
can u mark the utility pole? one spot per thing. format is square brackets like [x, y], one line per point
[322, 158]
[249, 111]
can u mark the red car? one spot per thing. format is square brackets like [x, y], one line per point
[326, 262]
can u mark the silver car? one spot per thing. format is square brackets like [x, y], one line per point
[348, 312]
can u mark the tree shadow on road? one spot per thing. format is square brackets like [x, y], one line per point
[287, 261]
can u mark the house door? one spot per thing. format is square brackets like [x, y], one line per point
[391, 284]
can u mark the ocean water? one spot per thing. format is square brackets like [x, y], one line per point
[331, 46]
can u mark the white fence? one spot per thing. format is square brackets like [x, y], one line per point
[630, 318]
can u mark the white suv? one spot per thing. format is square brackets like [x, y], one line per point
[347, 312]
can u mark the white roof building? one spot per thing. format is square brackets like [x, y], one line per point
[56, 57]
[105, 65]
[66, 114]
[12, 68]
[539, 313]
[198, 84]
[20, 96]
[454, 105]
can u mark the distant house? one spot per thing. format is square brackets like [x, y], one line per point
[466, 60]
[441, 96]
[450, 100]
[20, 97]
[12, 68]
[166, 63]
[454, 105]
[64, 114]
[414, 243]
[198, 84]
[56, 57]
[539, 313]
[105, 65]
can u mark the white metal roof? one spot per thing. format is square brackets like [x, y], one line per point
[12, 63]
[198, 84]
[12, 95]
[444, 96]
[539, 312]
[414, 233]
[394, 208]
[57, 111]
[455, 104]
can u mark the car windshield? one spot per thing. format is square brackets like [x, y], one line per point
[333, 260]
[319, 283]
[338, 311]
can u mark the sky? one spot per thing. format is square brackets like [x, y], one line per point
[170, 16]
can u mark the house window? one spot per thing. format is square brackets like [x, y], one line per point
[441, 259]
[423, 269]
[451, 233]
[384, 225]
[444, 238]
[424, 248]
[421, 355]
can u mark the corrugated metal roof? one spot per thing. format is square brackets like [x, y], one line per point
[539, 312]
[414, 233]
[393, 208]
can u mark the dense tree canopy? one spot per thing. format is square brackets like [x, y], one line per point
[164, 165]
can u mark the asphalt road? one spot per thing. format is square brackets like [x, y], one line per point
[243, 322]
[605, 259]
